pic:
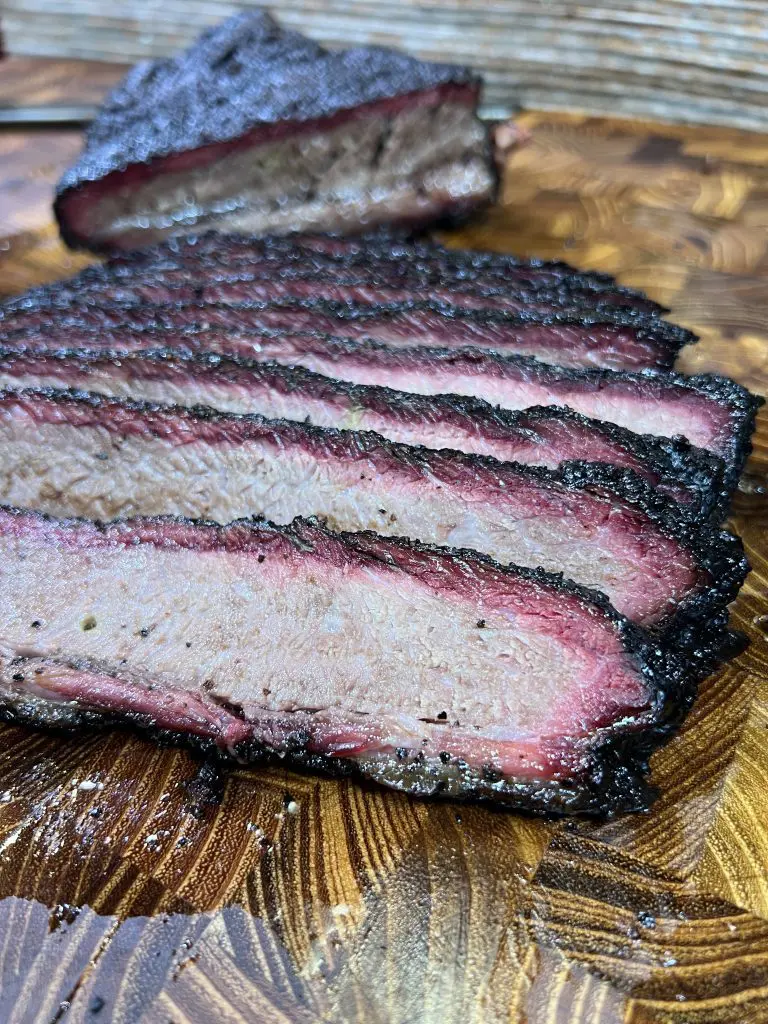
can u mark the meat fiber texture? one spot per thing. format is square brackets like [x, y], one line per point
[89, 455]
[712, 412]
[545, 436]
[563, 327]
[258, 129]
[432, 671]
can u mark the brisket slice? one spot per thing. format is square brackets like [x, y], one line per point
[541, 436]
[77, 454]
[439, 275]
[432, 671]
[712, 412]
[284, 281]
[255, 129]
[585, 337]
[385, 255]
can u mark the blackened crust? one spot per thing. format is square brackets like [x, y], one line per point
[616, 780]
[284, 257]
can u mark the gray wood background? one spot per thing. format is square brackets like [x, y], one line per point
[676, 60]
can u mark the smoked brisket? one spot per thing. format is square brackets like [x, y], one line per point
[544, 436]
[432, 671]
[77, 454]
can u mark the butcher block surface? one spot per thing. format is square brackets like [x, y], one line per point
[139, 884]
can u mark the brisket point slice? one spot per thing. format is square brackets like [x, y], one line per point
[75, 454]
[432, 671]
[255, 129]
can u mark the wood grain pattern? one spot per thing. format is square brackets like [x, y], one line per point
[676, 60]
[172, 894]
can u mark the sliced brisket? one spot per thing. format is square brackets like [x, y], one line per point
[431, 262]
[575, 335]
[430, 671]
[72, 454]
[540, 436]
[256, 129]
[712, 412]
[438, 275]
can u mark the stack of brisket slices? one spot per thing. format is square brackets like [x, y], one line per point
[486, 560]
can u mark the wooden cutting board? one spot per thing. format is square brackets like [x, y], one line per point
[166, 893]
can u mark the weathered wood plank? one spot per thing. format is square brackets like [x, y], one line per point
[668, 59]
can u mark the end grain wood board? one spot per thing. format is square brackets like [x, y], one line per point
[168, 895]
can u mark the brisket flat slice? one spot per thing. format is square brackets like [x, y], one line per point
[610, 339]
[434, 271]
[435, 672]
[548, 436]
[404, 316]
[255, 129]
[71, 454]
[271, 281]
[431, 262]
[712, 412]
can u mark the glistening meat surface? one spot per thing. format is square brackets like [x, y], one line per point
[72, 455]
[545, 436]
[430, 671]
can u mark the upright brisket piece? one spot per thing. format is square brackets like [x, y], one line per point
[541, 436]
[256, 129]
[430, 671]
[89, 455]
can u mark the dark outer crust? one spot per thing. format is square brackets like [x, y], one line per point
[382, 247]
[557, 284]
[232, 82]
[673, 462]
[716, 552]
[616, 782]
